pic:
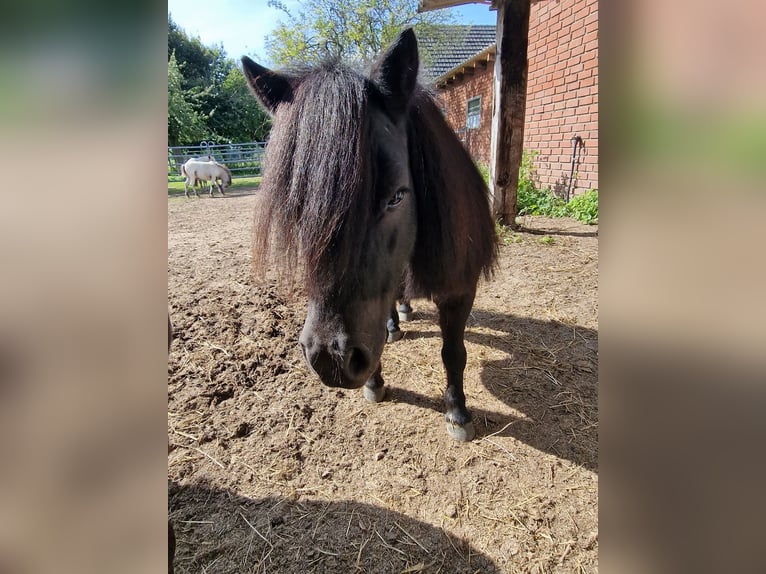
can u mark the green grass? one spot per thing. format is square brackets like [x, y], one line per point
[177, 187]
[506, 235]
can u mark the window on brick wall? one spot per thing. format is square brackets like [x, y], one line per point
[473, 113]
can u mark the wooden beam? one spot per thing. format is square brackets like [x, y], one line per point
[509, 107]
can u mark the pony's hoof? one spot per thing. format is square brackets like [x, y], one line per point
[375, 395]
[405, 312]
[394, 336]
[462, 433]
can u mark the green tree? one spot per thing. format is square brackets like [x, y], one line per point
[208, 97]
[196, 59]
[185, 126]
[353, 30]
[237, 117]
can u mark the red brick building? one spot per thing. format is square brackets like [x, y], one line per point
[562, 91]
[462, 69]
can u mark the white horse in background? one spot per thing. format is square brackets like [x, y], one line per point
[196, 170]
[208, 157]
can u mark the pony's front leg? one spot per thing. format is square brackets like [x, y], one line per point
[374, 391]
[453, 314]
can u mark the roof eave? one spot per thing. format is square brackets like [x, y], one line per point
[484, 56]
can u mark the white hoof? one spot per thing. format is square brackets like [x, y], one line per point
[394, 336]
[462, 433]
[374, 395]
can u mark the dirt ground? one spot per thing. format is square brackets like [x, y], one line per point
[269, 471]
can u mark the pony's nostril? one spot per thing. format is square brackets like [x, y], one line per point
[359, 362]
[324, 365]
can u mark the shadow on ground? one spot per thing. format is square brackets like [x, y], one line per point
[549, 376]
[540, 231]
[221, 531]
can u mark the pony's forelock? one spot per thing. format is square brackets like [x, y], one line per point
[316, 169]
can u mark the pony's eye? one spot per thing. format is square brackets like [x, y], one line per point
[396, 199]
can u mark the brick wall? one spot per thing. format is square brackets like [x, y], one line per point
[455, 99]
[562, 92]
[562, 95]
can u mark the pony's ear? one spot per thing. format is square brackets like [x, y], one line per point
[269, 87]
[396, 72]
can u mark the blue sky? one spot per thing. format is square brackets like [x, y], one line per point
[241, 25]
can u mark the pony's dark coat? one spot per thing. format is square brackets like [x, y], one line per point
[364, 184]
[318, 194]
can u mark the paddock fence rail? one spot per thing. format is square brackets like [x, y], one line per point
[242, 159]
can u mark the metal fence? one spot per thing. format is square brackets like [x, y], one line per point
[242, 159]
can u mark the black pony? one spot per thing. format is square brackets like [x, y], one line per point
[365, 184]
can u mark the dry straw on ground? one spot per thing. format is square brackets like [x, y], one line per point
[271, 472]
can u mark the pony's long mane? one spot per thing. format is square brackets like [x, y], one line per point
[456, 240]
[314, 204]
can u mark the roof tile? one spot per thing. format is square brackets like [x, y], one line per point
[449, 46]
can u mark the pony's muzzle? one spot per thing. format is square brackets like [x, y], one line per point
[337, 364]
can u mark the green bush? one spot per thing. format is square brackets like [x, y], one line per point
[584, 207]
[533, 201]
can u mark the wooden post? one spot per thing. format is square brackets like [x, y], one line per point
[509, 106]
